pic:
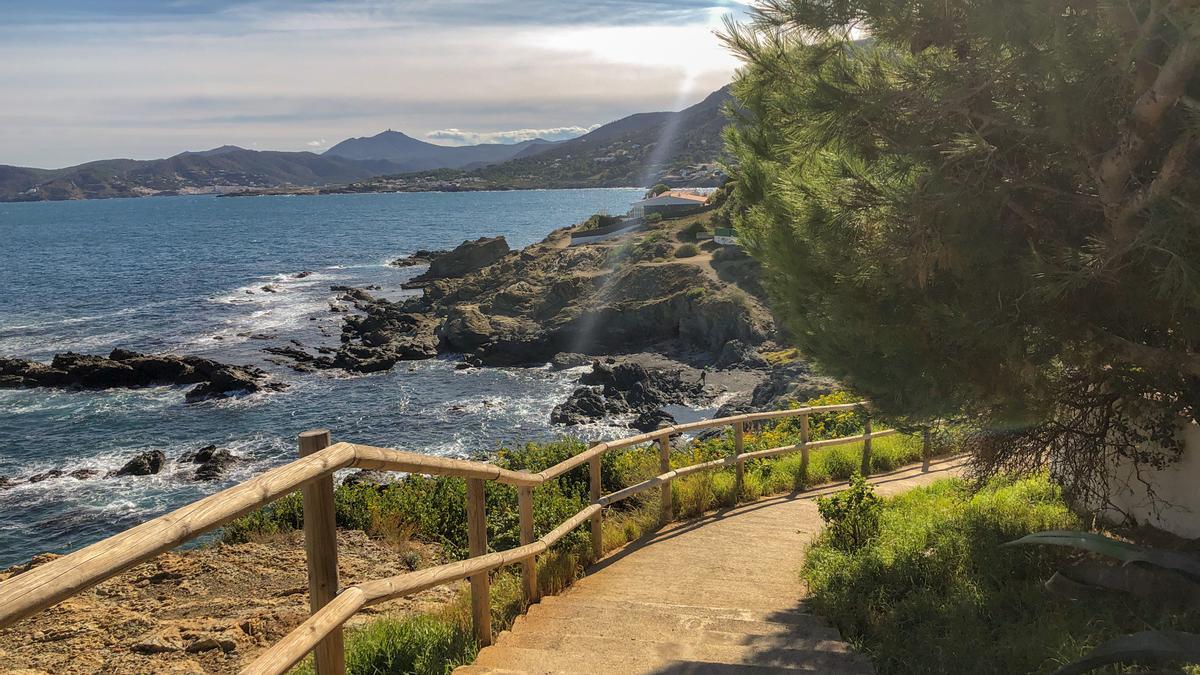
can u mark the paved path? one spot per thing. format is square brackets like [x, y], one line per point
[719, 594]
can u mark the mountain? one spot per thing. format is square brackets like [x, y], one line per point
[640, 150]
[415, 155]
[678, 148]
[218, 170]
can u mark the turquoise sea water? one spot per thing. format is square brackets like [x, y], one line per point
[184, 274]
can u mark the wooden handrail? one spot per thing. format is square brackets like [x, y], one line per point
[30, 592]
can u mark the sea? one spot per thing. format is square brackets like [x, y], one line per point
[186, 275]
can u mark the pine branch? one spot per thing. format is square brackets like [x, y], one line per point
[1136, 138]
[1153, 358]
[1173, 168]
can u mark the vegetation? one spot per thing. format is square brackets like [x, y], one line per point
[687, 251]
[597, 221]
[936, 591]
[433, 510]
[1002, 193]
[657, 190]
[851, 516]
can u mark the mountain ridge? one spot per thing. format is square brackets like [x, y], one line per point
[628, 151]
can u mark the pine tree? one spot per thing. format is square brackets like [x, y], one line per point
[986, 210]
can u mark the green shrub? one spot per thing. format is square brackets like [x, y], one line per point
[597, 221]
[851, 516]
[653, 217]
[936, 592]
[691, 232]
[687, 251]
[420, 644]
[657, 190]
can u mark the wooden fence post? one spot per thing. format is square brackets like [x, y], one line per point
[664, 465]
[866, 454]
[320, 549]
[529, 565]
[804, 439]
[481, 603]
[926, 449]
[739, 431]
[597, 523]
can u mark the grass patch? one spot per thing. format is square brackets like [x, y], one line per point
[935, 591]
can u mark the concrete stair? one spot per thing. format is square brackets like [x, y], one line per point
[716, 595]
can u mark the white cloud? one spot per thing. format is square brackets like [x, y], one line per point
[316, 144]
[463, 137]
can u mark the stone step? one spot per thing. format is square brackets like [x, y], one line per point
[787, 617]
[600, 657]
[674, 626]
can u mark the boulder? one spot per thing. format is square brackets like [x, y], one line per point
[52, 473]
[566, 360]
[84, 474]
[465, 329]
[159, 641]
[651, 420]
[144, 464]
[421, 257]
[213, 463]
[469, 256]
[586, 404]
[737, 354]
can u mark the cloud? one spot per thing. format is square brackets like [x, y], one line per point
[316, 144]
[462, 137]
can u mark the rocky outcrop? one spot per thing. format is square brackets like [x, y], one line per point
[127, 369]
[421, 257]
[469, 256]
[623, 388]
[213, 462]
[144, 464]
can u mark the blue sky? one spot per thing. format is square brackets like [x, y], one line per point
[134, 78]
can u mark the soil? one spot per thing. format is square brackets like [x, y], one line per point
[206, 610]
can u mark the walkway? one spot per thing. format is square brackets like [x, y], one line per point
[719, 594]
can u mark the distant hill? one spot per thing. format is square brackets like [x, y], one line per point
[638, 150]
[217, 170]
[679, 148]
[415, 155]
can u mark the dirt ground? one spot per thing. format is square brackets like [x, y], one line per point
[207, 610]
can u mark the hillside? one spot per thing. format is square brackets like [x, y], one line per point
[641, 149]
[677, 148]
[221, 169]
[415, 155]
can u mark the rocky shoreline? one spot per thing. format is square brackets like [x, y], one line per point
[125, 369]
[566, 305]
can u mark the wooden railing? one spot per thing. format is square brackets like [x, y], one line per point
[30, 592]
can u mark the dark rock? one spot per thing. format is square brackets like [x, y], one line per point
[6, 482]
[462, 365]
[618, 388]
[585, 404]
[301, 275]
[213, 463]
[270, 288]
[125, 368]
[84, 474]
[422, 257]
[651, 420]
[145, 464]
[793, 382]
[737, 354]
[469, 256]
[369, 477]
[465, 329]
[52, 473]
[565, 360]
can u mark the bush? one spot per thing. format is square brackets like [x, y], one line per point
[653, 217]
[657, 190]
[598, 221]
[687, 251]
[692, 231]
[851, 516]
[935, 591]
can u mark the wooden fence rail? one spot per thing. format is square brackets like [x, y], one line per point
[331, 606]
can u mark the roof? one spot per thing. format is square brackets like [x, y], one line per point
[673, 197]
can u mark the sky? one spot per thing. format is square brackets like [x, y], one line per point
[90, 79]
